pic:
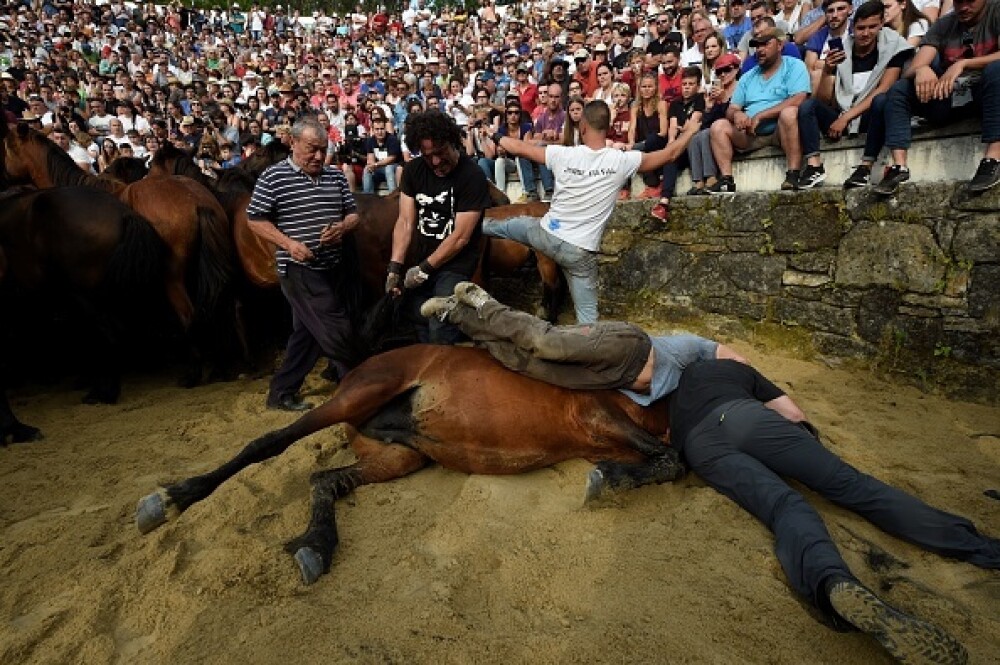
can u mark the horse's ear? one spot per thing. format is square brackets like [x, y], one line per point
[22, 130]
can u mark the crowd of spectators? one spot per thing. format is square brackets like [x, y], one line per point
[118, 79]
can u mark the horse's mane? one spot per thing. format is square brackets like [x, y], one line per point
[126, 170]
[183, 165]
[62, 170]
[243, 176]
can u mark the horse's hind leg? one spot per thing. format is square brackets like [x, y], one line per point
[615, 476]
[553, 288]
[379, 462]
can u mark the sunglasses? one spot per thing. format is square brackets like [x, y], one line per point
[726, 70]
[757, 43]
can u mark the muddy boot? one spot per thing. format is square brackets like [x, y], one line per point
[439, 308]
[906, 638]
[472, 295]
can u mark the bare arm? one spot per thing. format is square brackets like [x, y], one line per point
[465, 224]
[723, 352]
[775, 111]
[804, 32]
[403, 230]
[519, 148]
[786, 407]
[268, 231]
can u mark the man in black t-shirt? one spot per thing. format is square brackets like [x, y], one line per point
[846, 94]
[741, 434]
[443, 194]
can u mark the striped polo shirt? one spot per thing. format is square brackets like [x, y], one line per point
[300, 206]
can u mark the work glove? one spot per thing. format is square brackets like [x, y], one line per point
[417, 275]
[393, 276]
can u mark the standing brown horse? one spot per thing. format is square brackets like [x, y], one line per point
[184, 214]
[455, 406]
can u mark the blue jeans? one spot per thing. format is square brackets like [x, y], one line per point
[901, 104]
[528, 182]
[743, 450]
[578, 264]
[384, 173]
[547, 178]
[433, 330]
[815, 118]
[671, 169]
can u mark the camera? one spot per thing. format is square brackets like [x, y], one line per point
[477, 124]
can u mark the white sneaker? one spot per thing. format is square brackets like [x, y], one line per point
[438, 307]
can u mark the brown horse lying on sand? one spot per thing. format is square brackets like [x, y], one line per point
[401, 411]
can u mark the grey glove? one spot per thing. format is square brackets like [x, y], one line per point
[417, 275]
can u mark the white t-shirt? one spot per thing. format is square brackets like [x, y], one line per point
[587, 186]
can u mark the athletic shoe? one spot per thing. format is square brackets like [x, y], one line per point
[907, 638]
[471, 294]
[438, 308]
[624, 195]
[649, 193]
[895, 176]
[696, 191]
[859, 178]
[987, 175]
[724, 185]
[547, 196]
[811, 176]
[791, 180]
[661, 211]
[528, 197]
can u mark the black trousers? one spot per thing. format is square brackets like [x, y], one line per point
[743, 448]
[320, 326]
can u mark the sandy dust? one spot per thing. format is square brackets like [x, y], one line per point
[447, 568]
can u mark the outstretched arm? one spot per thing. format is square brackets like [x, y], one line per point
[519, 148]
[723, 352]
[786, 407]
[651, 161]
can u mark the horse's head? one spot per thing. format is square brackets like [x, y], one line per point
[24, 150]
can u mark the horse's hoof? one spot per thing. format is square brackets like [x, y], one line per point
[595, 485]
[151, 512]
[310, 564]
[21, 433]
[993, 494]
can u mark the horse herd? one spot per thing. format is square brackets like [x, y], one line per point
[111, 246]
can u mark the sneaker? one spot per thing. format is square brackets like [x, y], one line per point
[696, 191]
[624, 195]
[471, 294]
[724, 185]
[661, 211]
[791, 180]
[649, 193]
[859, 178]
[811, 176]
[439, 308]
[895, 176]
[987, 175]
[908, 639]
[547, 196]
[291, 403]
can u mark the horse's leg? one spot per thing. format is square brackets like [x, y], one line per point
[378, 463]
[615, 476]
[354, 402]
[11, 427]
[553, 288]
[105, 366]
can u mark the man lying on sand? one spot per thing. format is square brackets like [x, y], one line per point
[740, 433]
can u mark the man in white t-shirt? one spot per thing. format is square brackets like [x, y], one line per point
[588, 178]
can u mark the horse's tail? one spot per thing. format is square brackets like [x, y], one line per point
[137, 264]
[216, 261]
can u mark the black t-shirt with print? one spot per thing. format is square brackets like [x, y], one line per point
[438, 200]
[683, 109]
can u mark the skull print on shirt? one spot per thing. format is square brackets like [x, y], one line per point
[436, 214]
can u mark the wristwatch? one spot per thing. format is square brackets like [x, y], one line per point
[496, 138]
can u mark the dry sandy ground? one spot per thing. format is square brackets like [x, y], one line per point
[446, 568]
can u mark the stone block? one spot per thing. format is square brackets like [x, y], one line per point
[795, 278]
[748, 271]
[818, 261]
[751, 242]
[977, 239]
[841, 345]
[750, 305]
[802, 293]
[815, 315]
[984, 294]
[904, 256]
[651, 265]
[988, 201]
[918, 311]
[876, 311]
[803, 228]
[933, 301]
[839, 297]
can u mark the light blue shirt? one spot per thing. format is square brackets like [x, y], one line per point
[754, 93]
[671, 354]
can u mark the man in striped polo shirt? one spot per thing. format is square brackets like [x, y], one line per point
[306, 209]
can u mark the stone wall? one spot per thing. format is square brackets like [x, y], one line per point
[918, 273]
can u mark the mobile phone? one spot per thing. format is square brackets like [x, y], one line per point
[836, 44]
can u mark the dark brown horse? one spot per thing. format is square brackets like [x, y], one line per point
[80, 248]
[457, 407]
[184, 214]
